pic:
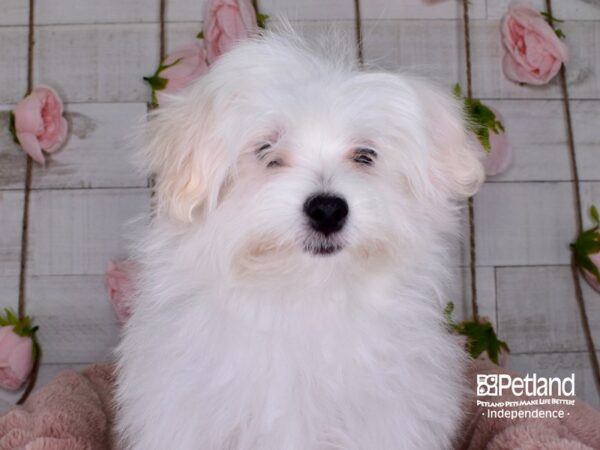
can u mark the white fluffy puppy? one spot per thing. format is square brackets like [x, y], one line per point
[292, 277]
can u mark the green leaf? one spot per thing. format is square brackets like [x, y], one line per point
[549, 18]
[588, 243]
[480, 335]
[480, 119]
[448, 310]
[12, 128]
[457, 90]
[261, 20]
[10, 316]
[560, 33]
[22, 327]
[594, 215]
[200, 35]
[156, 82]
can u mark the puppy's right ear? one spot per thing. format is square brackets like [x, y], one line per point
[182, 149]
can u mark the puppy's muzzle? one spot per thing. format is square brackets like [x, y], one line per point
[326, 213]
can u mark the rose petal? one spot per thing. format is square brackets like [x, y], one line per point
[534, 54]
[227, 22]
[31, 145]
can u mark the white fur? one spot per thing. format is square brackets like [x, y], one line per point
[241, 338]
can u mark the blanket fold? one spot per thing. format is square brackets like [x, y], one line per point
[75, 412]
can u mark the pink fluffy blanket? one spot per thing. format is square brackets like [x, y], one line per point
[74, 412]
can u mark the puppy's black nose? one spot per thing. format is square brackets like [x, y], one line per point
[327, 213]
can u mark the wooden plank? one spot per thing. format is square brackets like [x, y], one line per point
[524, 223]
[9, 292]
[97, 63]
[583, 39]
[537, 311]
[560, 365]
[431, 48]
[46, 374]
[11, 213]
[185, 10]
[564, 10]
[97, 153]
[536, 130]
[13, 70]
[587, 139]
[12, 158]
[77, 324]
[590, 195]
[79, 231]
[419, 9]
[51, 12]
[180, 34]
[14, 12]
[460, 293]
[333, 10]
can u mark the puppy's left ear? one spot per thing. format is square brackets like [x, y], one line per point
[456, 170]
[182, 146]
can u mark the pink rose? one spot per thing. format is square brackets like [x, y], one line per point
[225, 22]
[39, 122]
[182, 68]
[119, 283]
[534, 53]
[590, 277]
[16, 358]
[499, 156]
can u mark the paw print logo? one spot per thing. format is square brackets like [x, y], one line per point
[487, 385]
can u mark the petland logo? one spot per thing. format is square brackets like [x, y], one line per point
[497, 385]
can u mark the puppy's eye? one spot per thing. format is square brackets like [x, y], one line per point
[274, 163]
[364, 156]
[262, 148]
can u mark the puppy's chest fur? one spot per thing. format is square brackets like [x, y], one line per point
[309, 371]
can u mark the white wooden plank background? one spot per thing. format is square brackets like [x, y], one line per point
[96, 53]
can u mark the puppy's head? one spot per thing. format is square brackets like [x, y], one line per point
[279, 153]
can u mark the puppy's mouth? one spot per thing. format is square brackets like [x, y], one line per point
[323, 247]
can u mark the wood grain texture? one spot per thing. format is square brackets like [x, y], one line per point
[332, 10]
[51, 12]
[9, 292]
[524, 223]
[77, 324]
[47, 373]
[460, 293]
[76, 232]
[13, 64]
[590, 195]
[179, 34]
[98, 153]
[12, 158]
[536, 130]
[560, 365]
[97, 63]
[11, 212]
[586, 116]
[14, 12]
[420, 9]
[564, 10]
[431, 48]
[537, 311]
[185, 10]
